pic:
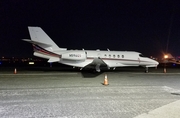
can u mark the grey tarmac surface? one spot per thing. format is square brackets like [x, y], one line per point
[55, 94]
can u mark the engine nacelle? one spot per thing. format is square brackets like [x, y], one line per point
[74, 55]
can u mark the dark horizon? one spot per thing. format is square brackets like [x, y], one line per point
[142, 26]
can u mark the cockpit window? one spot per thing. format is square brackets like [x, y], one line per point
[141, 55]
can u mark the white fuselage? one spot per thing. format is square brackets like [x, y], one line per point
[45, 47]
[81, 58]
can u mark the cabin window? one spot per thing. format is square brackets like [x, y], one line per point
[105, 55]
[114, 56]
[118, 56]
[109, 56]
[141, 55]
[122, 56]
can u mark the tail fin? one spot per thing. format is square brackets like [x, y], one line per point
[40, 38]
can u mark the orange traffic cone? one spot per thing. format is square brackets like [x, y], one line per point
[15, 71]
[105, 80]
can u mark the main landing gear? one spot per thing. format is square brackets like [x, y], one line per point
[98, 68]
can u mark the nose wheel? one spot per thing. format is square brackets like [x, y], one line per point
[146, 70]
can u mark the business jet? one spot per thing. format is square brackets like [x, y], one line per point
[45, 47]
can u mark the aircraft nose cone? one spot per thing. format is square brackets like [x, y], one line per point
[152, 63]
[155, 62]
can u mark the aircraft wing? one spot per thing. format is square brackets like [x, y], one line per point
[80, 64]
[104, 62]
[97, 62]
[111, 64]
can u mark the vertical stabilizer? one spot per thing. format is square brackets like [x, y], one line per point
[38, 35]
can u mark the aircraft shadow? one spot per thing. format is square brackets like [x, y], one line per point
[90, 74]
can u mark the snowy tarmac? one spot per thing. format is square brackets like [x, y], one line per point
[53, 94]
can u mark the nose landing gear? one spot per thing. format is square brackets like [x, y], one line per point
[146, 70]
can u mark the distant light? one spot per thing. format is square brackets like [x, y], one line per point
[0, 63]
[31, 63]
[174, 64]
[165, 56]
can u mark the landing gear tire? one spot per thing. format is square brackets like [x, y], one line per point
[98, 68]
[146, 70]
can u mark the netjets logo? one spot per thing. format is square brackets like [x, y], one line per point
[74, 55]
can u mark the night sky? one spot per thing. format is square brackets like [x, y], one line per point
[124, 25]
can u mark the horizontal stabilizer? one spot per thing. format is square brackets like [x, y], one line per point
[54, 59]
[36, 42]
